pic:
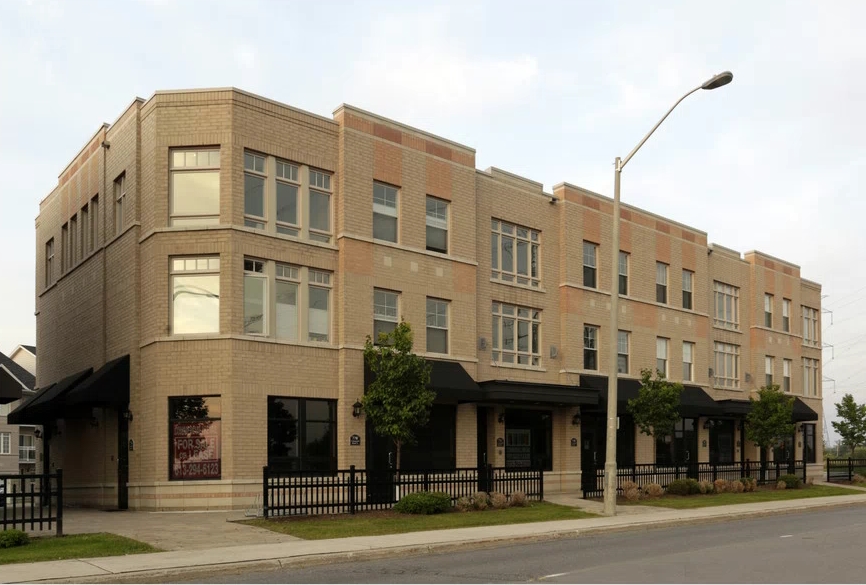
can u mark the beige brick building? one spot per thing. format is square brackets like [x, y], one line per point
[239, 251]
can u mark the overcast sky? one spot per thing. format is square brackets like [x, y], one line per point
[773, 162]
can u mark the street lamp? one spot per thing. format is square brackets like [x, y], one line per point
[610, 451]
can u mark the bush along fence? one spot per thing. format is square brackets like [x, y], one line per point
[31, 500]
[346, 491]
[845, 469]
[764, 472]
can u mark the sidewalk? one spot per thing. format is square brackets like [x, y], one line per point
[264, 556]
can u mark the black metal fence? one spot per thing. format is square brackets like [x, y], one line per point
[347, 491]
[764, 472]
[31, 500]
[845, 469]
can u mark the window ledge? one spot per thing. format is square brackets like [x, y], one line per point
[777, 331]
[720, 328]
[518, 367]
[240, 337]
[521, 286]
[446, 357]
[398, 246]
[285, 237]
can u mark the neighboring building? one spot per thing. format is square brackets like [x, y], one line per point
[209, 267]
[20, 446]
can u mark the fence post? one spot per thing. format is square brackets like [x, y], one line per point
[59, 502]
[426, 481]
[716, 472]
[488, 477]
[540, 483]
[804, 471]
[828, 469]
[850, 470]
[265, 492]
[351, 489]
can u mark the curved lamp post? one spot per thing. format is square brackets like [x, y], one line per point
[610, 451]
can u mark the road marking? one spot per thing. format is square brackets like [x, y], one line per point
[787, 536]
[552, 576]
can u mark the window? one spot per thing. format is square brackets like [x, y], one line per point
[320, 206]
[302, 434]
[768, 370]
[195, 187]
[809, 443]
[529, 439]
[590, 258]
[85, 228]
[286, 304]
[662, 355]
[727, 370]
[786, 375]
[73, 240]
[590, 347]
[688, 278]
[722, 441]
[679, 448]
[516, 335]
[727, 299]
[688, 361]
[64, 248]
[768, 310]
[287, 186]
[437, 225]
[26, 448]
[255, 297]
[49, 262]
[195, 295]
[254, 190]
[435, 445]
[194, 437]
[384, 212]
[5, 443]
[623, 273]
[93, 240]
[437, 326]
[622, 352]
[514, 253]
[810, 377]
[384, 312]
[119, 201]
[319, 314]
[810, 326]
[661, 282]
[786, 315]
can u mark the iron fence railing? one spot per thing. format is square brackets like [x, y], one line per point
[31, 500]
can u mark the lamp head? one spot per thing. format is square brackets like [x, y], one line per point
[723, 78]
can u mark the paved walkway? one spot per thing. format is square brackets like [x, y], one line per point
[262, 556]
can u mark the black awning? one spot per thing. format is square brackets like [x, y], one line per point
[735, 407]
[694, 402]
[802, 412]
[509, 392]
[10, 388]
[46, 405]
[450, 380]
[626, 389]
[108, 386]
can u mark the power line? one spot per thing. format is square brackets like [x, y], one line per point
[846, 296]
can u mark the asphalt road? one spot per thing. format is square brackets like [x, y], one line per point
[816, 547]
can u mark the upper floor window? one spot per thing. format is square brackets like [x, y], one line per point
[769, 363]
[5, 443]
[49, 262]
[119, 201]
[255, 297]
[320, 206]
[727, 361]
[768, 310]
[688, 278]
[195, 295]
[73, 240]
[384, 312]
[514, 253]
[623, 273]
[93, 239]
[195, 187]
[662, 355]
[590, 347]
[437, 225]
[590, 264]
[85, 229]
[64, 248]
[727, 300]
[688, 361]
[319, 322]
[516, 333]
[287, 280]
[810, 326]
[786, 315]
[286, 187]
[810, 377]
[622, 352]
[384, 212]
[26, 448]
[786, 375]
[254, 190]
[437, 326]
[661, 282]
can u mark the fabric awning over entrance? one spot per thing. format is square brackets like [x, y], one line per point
[10, 387]
[508, 392]
[46, 405]
[802, 412]
[694, 401]
[450, 380]
[108, 386]
[733, 407]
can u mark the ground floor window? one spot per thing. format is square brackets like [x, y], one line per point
[721, 440]
[529, 439]
[680, 447]
[435, 444]
[809, 443]
[194, 437]
[785, 451]
[302, 434]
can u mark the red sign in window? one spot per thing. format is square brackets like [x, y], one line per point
[196, 450]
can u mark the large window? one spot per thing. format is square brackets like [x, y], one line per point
[590, 265]
[786, 375]
[286, 191]
[810, 377]
[64, 248]
[119, 202]
[661, 282]
[94, 222]
[727, 300]
[786, 315]
[195, 187]
[435, 444]
[810, 326]
[384, 212]
[320, 206]
[286, 285]
[26, 448]
[529, 439]
[768, 310]
[255, 297]
[727, 371]
[318, 317]
[85, 228]
[622, 352]
[590, 347]
[437, 225]
[809, 443]
[384, 312]
[73, 240]
[662, 355]
[721, 441]
[516, 333]
[254, 190]
[769, 363]
[623, 273]
[688, 282]
[5, 443]
[688, 361]
[195, 295]
[195, 437]
[514, 253]
[302, 434]
[49, 262]
[681, 447]
[437, 326]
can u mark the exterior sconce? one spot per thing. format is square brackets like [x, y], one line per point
[575, 420]
[37, 433]
[357, 408]
[704, 443]
[127, 414]
[94, 422]
[501, 418]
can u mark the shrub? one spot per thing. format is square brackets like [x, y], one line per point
[792, 481]
[684, 487]
[737, 487]
[518, 500]
[750, 484]
[722, 486]
[463, 504]
[706, 487]
[498, 501]
[653, 490]
[423, 503]
[632, 494]
[857, 478]
[629, 485]
[781, 485]
[10, 538]
[480, 501]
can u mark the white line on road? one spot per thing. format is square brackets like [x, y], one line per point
[552, 576]
[787, 536]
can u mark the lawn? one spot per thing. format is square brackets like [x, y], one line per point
[390, 522]
[75, 546]
[762, 495]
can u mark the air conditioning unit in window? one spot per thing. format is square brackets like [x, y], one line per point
[553, 352]
[748, 377]
[482, 343]
[712, 373]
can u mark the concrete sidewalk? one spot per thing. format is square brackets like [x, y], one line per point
[149, 567]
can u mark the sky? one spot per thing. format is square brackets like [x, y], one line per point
[553, 92]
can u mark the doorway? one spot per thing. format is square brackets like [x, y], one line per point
[591, 456]
[122, 461]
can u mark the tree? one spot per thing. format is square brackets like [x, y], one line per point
[398, 400]
[770, 419]
[656, 410]
[851, 425]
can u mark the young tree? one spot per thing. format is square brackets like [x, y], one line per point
[770, 421]
[656, 410]
[397, 401]
[851, 425]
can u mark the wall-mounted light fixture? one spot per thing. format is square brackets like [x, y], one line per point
[127, 414]
[501, 418]
[575, 420]
[37, 433]
[357, 408]
[94, 422]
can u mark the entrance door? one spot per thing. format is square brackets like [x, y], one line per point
[380, 464]
[481, 436]
[122, 461]
[722, 441]
[591, 452]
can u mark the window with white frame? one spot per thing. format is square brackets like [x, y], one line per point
[661, 282]
[287, 279]
[195, 295]
[320, 206]
[255, 176]
[287, 187]
[727, 361]
[26, 448]
[688, 278]
[318, 317]
[622, 352]
[786, 375]
[727, 301]
[49, 262]
[590, 265]
[810, 326]
[437, 326]
[119, 201]
[769, 363]
[768, 310]
[516, 333]
[623, 273]
[5, 443]
[255, 297]
[514, 253]
[384, 212]
[437, 225]
[662, 355]
[195, 187]
[385, 312]
[810, 377]
[688, 361]
[590, 347]
[786, 315]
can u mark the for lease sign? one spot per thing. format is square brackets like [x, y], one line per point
[196, 450]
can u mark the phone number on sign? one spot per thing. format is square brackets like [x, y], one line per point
[200, 470]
